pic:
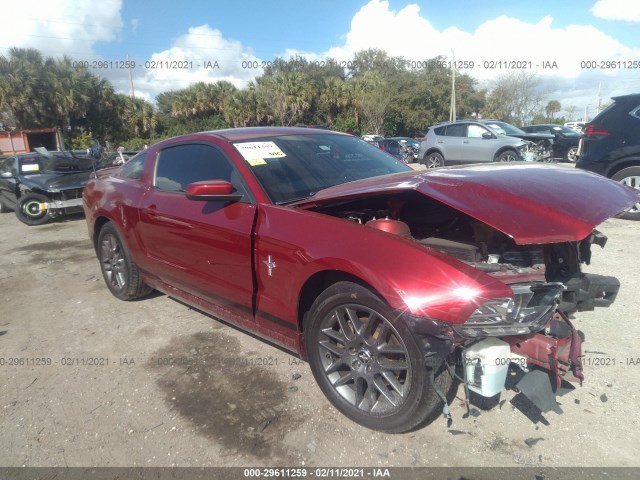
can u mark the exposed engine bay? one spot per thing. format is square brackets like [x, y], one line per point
[440, 227]
[546, 281]
[541, 151]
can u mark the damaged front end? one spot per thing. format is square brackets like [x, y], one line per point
[498, 230]
[528, 336]
[537, 152]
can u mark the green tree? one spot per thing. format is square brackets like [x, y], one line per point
[371, 97]
[21, 86]
[552, 108]
[515, 97]
[287, 96]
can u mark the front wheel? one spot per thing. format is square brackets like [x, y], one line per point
[630, 177]
[33, 209]
[121, 274]
[367, 362]
[433, 160]
[508, 156]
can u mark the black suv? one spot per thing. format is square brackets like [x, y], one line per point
[610, 145]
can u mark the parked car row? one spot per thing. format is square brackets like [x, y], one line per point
[478, 141]
[403, 148]
[469, 141]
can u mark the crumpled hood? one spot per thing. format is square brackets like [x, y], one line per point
[57, 181]
[531, 203]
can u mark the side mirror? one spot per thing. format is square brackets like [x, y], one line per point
[212, 190]
[487, 135]
[6, 175]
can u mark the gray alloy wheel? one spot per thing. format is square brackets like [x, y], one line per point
[113, 262]
[630, 177]
[365, 359]
[572, 154]
[367, 362]
[433, 160]
[122, 276]
[507, 156]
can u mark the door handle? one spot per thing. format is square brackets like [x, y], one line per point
[151, 210]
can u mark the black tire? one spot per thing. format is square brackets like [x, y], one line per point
[121, 274]
[5, 208]
[29, 209]
[630, 176]
[507, 156]
[571, 155]
[377, 350]
[433, 160]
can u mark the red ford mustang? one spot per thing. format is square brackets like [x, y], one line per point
[383, 278]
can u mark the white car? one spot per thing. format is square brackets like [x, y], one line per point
[577, 126]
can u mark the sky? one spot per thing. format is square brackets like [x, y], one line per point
[577, 47]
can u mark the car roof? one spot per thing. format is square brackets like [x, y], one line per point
[630, 96]
[245, 133]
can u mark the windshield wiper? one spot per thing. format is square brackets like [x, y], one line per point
[294, 200]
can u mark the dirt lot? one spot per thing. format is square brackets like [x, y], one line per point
[88, 380]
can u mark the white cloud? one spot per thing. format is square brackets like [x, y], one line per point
[208, 56]
[626, 10]
[409, 34]
[61, 26]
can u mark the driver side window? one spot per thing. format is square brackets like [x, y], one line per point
[178, 166]
[476, 131]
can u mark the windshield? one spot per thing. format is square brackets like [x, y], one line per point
[294, 167]
[566, 131]
[504, 128]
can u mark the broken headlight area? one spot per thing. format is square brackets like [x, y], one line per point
[538, 363]
[527, 312]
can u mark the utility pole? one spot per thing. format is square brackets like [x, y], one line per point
[599, 98]
[130, 78]
[452, 111]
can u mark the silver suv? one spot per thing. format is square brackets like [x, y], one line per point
[466, 141]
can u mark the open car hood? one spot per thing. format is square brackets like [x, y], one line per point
[530, 203]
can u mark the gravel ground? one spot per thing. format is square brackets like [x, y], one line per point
[88, 380]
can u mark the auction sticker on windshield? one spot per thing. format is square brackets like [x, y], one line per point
[30, 167]
[255, 152]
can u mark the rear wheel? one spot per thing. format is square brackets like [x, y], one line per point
[367, 362]
[507, 156]
[630, 177]
[120, 273]
[33, 209]
[433, 160]
[571, 155]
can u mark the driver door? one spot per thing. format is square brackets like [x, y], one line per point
[201, 247]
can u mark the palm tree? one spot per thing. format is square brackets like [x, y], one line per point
[22, 86]
[333, 96]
